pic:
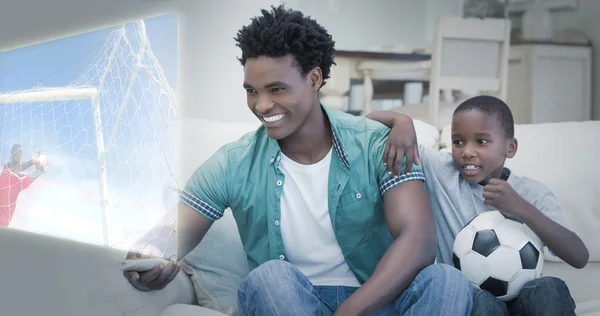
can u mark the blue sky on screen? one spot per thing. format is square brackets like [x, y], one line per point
[65, 201]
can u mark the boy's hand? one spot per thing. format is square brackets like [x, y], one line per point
[402, 141]
[502, 196]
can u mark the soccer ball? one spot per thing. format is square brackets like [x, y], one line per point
[498, 253]
[42, 162]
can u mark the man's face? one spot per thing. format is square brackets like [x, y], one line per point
[479, 147]
[278, 94]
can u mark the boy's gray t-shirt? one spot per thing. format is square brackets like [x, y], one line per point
[456, 202]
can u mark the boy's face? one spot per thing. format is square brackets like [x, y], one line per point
[479, 147]
[279, 95]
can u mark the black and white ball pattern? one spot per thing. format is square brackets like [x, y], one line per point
[498, 253]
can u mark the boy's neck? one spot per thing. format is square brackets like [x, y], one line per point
[312, 141]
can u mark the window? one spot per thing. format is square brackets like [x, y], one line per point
[101, 107]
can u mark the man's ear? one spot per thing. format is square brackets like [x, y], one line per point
[316, 78]
[512, 148]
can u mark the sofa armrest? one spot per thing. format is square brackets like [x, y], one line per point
[42, 275]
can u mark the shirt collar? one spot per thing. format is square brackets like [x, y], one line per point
[338, 145]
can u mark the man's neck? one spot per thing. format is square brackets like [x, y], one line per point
[312, 141]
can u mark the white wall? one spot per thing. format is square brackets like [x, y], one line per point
[360, 24]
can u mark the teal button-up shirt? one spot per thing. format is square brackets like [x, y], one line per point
[244, 176]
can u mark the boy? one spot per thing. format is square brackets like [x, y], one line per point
[326, 229]
[473, 180]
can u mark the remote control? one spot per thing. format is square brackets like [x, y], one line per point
[141, 265]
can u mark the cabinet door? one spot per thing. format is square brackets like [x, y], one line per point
[519, 84]
[561, 83]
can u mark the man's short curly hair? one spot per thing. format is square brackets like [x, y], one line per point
[282, 32]
[491, 105]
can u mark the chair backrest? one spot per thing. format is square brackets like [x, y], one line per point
[469, 54]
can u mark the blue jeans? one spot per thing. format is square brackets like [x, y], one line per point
[547, 296]
[278, 288]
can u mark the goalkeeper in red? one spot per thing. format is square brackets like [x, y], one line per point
[12, 182]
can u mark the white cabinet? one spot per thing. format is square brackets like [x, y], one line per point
[550, 83]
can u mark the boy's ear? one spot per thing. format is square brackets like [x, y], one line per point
[512, 148]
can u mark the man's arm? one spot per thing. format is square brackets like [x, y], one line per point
[191, 228]
[409, 218]
[203, 200]
[410, 221]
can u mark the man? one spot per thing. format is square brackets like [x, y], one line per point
[327, 230]
[12, 182]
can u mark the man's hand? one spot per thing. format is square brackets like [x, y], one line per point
[155, 279]
[502, 196]
[402, 141]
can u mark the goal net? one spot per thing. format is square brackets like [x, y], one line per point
[109, 141]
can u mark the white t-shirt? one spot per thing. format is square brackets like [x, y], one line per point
[306, 229]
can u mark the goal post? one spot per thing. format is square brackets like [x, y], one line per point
[75, 94]
[48, 95]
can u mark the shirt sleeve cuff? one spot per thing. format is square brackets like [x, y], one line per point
[200, 206]
[395, 181]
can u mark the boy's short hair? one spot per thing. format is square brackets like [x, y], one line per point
[280, 32]
[491, 106]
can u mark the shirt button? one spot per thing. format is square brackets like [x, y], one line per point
[281, 257]
[278, 158]
[277, 222]
[279, 182]
[358, 195]
[272, 159]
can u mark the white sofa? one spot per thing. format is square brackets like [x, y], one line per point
[41, 275]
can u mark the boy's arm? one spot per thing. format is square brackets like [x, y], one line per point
[410, 221]
[563, 242]
[402, 141]
[388, 118]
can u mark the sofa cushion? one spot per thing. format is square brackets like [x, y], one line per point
[218, 265]
[45, 275]
[427, 135]
[563, 157]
